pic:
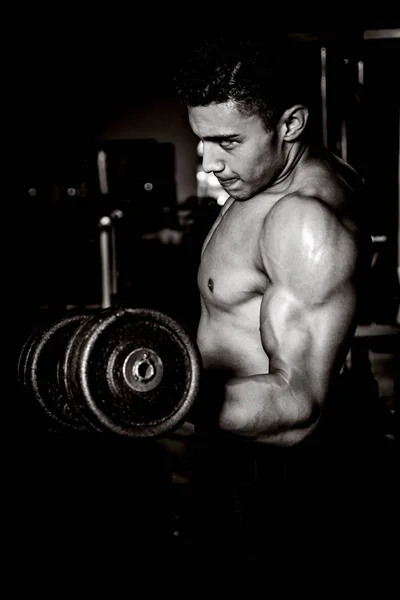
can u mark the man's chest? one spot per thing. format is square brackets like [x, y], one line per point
[231, 269]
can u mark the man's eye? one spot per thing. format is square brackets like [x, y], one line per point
[228, 143]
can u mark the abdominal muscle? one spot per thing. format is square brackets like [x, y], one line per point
[230, 342]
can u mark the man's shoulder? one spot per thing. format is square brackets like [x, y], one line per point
[299, 220]
[297, 210]
[303, 236]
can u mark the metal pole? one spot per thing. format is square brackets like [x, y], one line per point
[398, 221]
[324, 98]
[102, 167]
[343, 139]
[360, 66]
[105, 227]
[115, 216]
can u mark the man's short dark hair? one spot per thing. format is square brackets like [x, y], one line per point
[263, 76]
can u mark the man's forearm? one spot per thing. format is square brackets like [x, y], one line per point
[265, 408]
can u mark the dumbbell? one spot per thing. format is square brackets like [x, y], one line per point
[39, 371]
[129, 371]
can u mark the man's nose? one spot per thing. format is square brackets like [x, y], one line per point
[211, 160]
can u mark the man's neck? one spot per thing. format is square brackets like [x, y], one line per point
[298, 152]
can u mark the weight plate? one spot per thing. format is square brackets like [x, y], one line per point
[23, 368]
[42, 371]
[66, 377]
[134, 371]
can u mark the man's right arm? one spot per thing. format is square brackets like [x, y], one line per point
[307, 318]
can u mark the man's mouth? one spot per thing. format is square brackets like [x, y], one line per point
[227, 182]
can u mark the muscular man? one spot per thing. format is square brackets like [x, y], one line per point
[281, 267]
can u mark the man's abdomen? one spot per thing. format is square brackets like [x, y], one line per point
[231, 344]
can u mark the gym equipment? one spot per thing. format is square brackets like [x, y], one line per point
[38, 370]
[130, 371]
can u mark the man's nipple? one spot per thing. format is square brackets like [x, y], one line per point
[210, 285]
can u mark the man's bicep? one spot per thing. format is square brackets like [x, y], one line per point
[308, 312]
[306, 342]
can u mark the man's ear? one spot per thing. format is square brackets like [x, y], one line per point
[293, 122]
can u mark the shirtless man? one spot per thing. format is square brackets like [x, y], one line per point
[281, 266]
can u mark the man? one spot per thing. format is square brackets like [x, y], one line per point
[281, 269]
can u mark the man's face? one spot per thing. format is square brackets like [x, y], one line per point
[244, 157]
